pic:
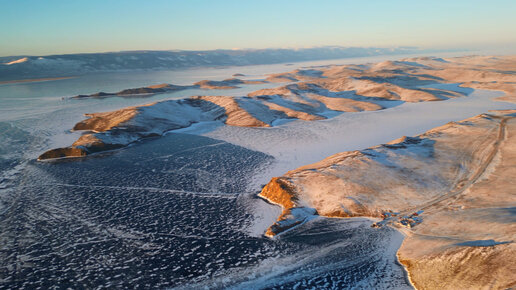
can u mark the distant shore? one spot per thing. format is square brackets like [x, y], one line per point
[34, 80]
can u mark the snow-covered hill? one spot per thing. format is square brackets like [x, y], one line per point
[27, 67]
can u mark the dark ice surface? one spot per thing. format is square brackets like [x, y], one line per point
[173, 212]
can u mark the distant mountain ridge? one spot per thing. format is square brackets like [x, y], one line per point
[28, 67]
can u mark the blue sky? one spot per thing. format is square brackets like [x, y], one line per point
[53, 27]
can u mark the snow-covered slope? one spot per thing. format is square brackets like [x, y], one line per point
[317, 94]
[451, 190]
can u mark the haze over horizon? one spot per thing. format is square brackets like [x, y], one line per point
[59, 27]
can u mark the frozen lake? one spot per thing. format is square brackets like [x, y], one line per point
[181, 211]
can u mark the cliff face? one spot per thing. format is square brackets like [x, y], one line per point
[451, 190]
[279, 191]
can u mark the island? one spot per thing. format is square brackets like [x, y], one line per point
[226, 84]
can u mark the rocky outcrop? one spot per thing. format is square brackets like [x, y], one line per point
[279, 191]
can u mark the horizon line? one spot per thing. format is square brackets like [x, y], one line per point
[240, 49]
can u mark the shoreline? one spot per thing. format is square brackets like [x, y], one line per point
[405, 268]
[35, 80]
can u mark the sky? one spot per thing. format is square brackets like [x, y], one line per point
[35, 27]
